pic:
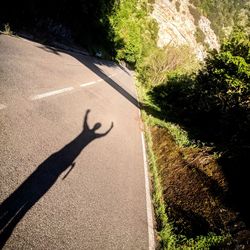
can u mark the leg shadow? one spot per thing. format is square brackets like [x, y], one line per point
[14, 208]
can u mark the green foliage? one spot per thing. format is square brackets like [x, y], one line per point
[222, 85]
[223, 14]
[195, 13]
[199, 35]
[176, 95]
[161, 63]
[207, 242]
[179, 135]
[82, 21]
[225, 81]
[134, 31]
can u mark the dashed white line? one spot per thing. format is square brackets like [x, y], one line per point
[87, 84]
[55, 92]
[59, 91]
[2, 106]
[112, 75]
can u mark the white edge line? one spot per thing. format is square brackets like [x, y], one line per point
[55, 92]
[151, 237]
[2, 106]
[151, 240]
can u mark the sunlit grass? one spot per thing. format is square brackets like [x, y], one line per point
[166, 236]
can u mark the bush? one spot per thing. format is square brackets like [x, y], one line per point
[161, 63]
[176, 95]
[222, 85]
[200, 36]
[222, 14]
[216, 101]
[135, 32]
[195, 13]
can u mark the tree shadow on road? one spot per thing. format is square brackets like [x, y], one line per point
[14, 208]
[93, 64]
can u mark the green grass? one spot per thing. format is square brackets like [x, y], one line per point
[166, 236]
[165, 231]
[180, 135]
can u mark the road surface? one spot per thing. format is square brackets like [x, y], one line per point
[72, 169]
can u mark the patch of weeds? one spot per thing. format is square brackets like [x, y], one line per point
[199, 35]
[168, 236]
[164, 228]
[195, 13]
[180, 135]
[206, 242]
[7, 30]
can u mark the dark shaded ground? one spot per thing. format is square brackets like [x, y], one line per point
[225, 129]
[80, 21]
[94, 67]
[196, 189]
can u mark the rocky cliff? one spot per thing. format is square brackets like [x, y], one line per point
[181, 24]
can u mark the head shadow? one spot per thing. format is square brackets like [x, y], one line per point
[14, 207]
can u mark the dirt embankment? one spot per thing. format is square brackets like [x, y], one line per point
[195, 190]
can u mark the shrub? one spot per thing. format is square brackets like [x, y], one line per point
[214, 103]
[134, 31]
[176, 95]
[161, 63]
[195, 13]
[7, 30]
[199, 35]
[222, 85]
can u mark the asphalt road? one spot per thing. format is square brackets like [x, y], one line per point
[72, 172]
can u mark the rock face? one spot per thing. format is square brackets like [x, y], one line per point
[181, 24]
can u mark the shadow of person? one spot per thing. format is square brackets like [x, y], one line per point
[14, 208]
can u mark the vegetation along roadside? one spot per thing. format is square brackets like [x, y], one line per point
[197, 132]
[197, 118]
[196, 114]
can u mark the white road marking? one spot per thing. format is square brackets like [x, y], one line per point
[151, 241]
[55, 92]
[59, 91]
[112, 75]
[87, 84]
[2, 106]
[151, 237]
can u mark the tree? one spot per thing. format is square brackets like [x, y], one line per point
[224, 82]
